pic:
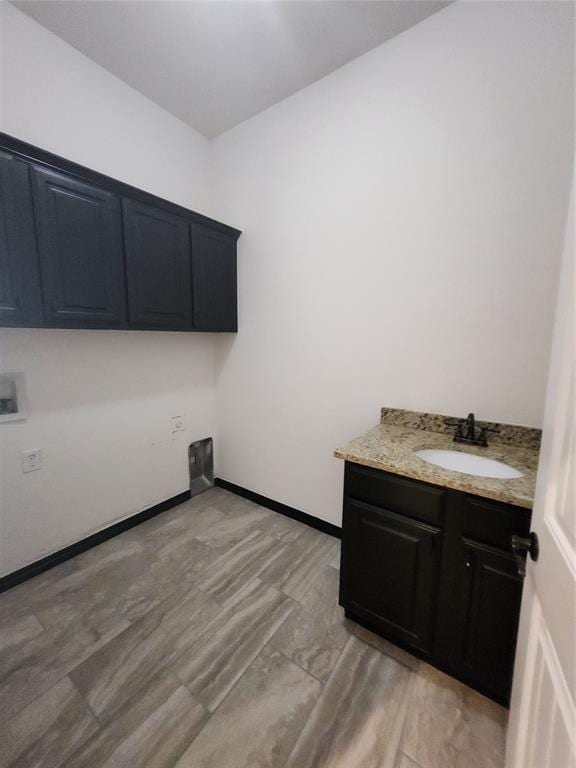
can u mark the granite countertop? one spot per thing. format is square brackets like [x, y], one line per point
[390, 446]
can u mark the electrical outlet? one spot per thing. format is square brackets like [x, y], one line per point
[31, 460]
[178, 424]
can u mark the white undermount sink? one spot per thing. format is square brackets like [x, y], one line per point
[468, 463]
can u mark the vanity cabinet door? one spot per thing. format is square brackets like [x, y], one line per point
[390, 567]
[20, 298]
[490, 595]
[480, 593]
[79, 229]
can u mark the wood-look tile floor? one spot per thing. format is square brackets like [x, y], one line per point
[211, 637]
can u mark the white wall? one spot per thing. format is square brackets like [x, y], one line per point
[100, 401]
[402, 220]
[402, 217]
[58, 99]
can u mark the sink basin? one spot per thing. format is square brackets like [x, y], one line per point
[468, 463]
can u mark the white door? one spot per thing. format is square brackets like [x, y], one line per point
[543, 711]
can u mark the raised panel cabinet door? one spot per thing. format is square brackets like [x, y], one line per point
[390, 572]
[491, 593]
[79, 228]
[214, 279]
[20, 298]
[158, 267]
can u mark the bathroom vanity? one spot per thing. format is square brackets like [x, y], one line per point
[427, 560]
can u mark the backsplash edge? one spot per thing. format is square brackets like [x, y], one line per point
[505, 434]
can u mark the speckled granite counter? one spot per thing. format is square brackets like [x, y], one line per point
[390, 446]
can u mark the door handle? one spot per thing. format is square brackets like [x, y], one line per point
[523, 545]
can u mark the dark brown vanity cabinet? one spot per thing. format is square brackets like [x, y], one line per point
[432, 570]
[81, 250]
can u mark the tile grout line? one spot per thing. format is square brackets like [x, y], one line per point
[35, 698]
[399, 726]
[296, 664]
[320, 698]
[212, 713]
[171, 668]
[209, 712]
[313, 584]
[94, 716]
[88, 704]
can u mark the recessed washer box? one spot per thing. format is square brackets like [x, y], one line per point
[201, 463]
[13, 402]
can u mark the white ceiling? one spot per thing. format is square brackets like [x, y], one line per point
[216, 63]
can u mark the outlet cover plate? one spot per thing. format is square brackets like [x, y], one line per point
[31, 460]
[178, 424]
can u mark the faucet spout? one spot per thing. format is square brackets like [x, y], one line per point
[470, 427]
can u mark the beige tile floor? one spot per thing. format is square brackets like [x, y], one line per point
[211, 637]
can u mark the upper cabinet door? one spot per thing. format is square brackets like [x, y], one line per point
[20, 298]
[214, 280]
[158, 267]
[79, 230]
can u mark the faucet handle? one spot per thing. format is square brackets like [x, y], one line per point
[450, 422]
[487, 430]
[483, 433]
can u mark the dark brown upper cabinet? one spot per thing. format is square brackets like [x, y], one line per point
[20, 299]
[79, 228]
[79, 249]
[158, 264]
[214, 280]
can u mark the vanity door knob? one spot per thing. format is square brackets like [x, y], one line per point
[523, 545]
